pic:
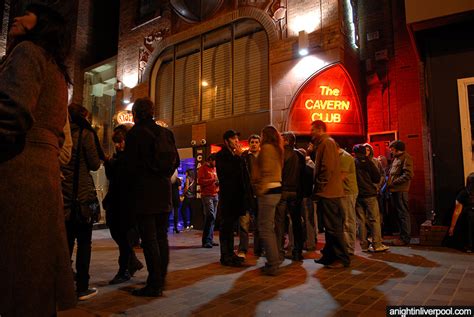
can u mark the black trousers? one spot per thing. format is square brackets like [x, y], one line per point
[123, 238]
[333, 219]
[153, 230]
[226, 233]
[82, 232]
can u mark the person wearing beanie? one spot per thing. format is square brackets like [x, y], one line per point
[398, 183]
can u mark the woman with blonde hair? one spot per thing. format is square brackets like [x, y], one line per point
[266, 175]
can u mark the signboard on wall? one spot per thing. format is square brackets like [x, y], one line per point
[330, 96]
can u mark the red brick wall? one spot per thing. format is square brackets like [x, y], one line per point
[394, 99]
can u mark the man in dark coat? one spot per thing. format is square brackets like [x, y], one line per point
[233, 194]
[149, 194]
[399, 179]
[327, 192]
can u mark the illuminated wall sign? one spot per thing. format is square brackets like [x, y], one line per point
[330, 96]
[161, 123]
[124, 116]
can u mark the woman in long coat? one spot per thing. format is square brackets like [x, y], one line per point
[34, 261]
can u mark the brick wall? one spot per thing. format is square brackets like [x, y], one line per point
[393, 92]
[288, 70]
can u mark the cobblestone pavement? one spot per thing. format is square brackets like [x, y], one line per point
[197, 285]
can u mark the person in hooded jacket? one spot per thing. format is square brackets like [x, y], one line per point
[367, 207]
[89, 156]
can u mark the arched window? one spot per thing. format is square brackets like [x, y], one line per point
[216, 75]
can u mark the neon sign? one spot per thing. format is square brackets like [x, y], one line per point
[124, 116]
[330, 96]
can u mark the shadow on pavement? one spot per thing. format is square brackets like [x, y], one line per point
[252, 288]
[361, 289]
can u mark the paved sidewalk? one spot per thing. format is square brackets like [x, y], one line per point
[197, 285]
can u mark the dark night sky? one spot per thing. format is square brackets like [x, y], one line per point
[105, 29]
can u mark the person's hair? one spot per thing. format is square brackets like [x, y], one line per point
[78, 116]
[50, 33]
[289, 137]
[119, 134]
[254, 136]
[77, 111]
[397, 145]
[271, 136]
[211, 157]
[319, 124]
[470, 184]
[367, 145]
[143, 109]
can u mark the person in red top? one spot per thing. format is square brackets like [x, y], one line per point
[207, 179]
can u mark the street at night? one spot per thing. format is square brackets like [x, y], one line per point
[197, 285]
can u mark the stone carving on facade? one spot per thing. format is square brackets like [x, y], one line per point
[150, 42]
[276, 9]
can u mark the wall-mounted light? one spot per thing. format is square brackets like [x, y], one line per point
[118, 85]
[204, 83]
[303, 43]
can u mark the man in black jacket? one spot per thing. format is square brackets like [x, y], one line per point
[291, 197]
[149, 194]
[233, 195]
[367, 208]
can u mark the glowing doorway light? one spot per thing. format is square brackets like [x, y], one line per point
[307, 66]
[303, 43]
[307, 22]
[129, 107]
[130, 80]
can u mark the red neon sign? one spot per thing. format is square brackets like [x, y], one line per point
[330, 96]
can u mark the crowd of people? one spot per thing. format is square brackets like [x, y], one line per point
[49, 202]
[290, 193]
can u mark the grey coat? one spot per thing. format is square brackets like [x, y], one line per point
[34, 259]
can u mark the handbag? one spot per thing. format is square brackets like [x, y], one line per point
[83, 212]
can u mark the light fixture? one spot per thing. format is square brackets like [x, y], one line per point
[204, 83]
[303, 43]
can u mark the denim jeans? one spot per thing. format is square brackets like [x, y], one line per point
[400, 204]
[348, 204]
[266, 227]
[184, 209]
[244, 225]
[209, 207]
[368, 215]
[154, 234]
[309, 218]
[82, 232]
[289, 203]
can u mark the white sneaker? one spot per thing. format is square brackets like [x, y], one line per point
[89, 293]
[241, 255]
[381, 248]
